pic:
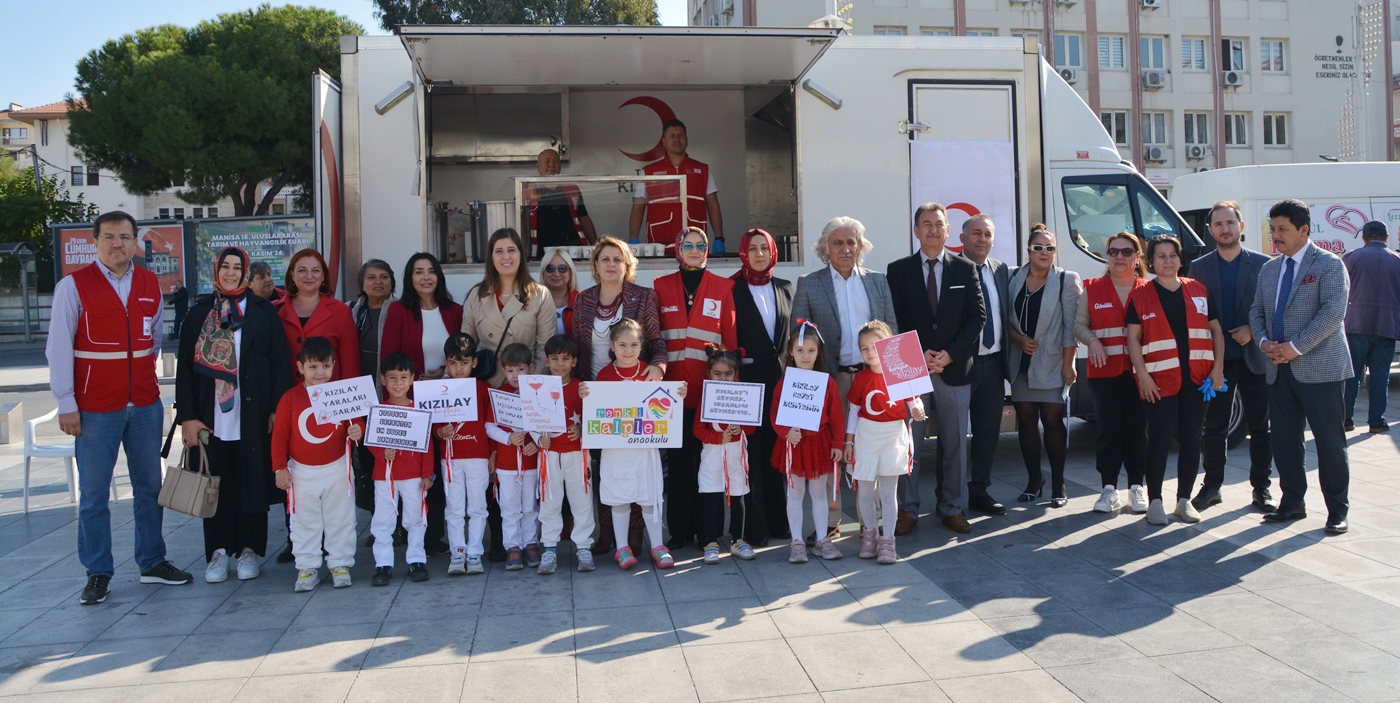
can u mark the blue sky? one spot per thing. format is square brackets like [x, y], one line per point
[43, 50]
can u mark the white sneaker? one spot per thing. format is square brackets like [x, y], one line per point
[549, 561]
[458, 565]
[1156, 514]
[307, 580]
[248, 565]
[474, 565]
[217, 570]
[1137, 498]
[585, 559]
[340, 577]
[1108, 501]
[1186, 512]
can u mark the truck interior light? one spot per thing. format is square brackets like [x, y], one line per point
[394, 98]
[822, 94]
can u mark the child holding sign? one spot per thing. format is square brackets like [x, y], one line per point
[724, 468]
[399, 474]
[312, 465]
[518, 456]
[878, 444]
[809, 458]
[564, 472]
[631, 475]
[465, 466]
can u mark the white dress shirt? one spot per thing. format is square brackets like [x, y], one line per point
[767, 304]
[993, 305]
[853, 309]
[1297, 271]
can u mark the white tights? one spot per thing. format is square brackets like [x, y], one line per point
[820, 489]
[651, 517]
[867, 491]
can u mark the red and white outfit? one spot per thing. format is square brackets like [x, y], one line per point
[883, 447]
[321, 500]
[627, 476]
[565, 474]
[710, 320]
[114, 362]
[517, 482]
[808, 465]
[466, 473]
[664, 199]
[394, 481]
[724, 465]
[1160, 354]
[1106, 321]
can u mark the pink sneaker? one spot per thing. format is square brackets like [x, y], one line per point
[625, 560]
[661, 556]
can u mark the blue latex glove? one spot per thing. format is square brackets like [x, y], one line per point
[718, 247]
[1208, 389]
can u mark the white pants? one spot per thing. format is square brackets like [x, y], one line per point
[466, 482]
[566, 479]
[386, 495]
[882, 487]
[323, 512]
[820, 490]
[519, 508]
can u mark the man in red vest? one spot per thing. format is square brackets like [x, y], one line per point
[104, 338]
[658, 205]
[558, 217]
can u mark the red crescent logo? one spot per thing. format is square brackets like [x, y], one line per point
[663, 112]
[968, 208]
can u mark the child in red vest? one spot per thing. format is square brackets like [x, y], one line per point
[465, 465]
[809, 458]
[517, 456]
[563, 469]
[400, 475]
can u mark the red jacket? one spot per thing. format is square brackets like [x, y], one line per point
[331, 319]
[707, 434]
[1160, 353]
[1106, 321]
[508, 456]
[405, 334]
[406, 465]
[872, 396]
[114, 360]
[298, 435]
[469, 439]
[711, 320]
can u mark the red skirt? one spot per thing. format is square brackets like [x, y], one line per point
[811, 458]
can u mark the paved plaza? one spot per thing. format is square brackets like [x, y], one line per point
[1041, 604]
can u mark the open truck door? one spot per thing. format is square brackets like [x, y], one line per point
[326, 156]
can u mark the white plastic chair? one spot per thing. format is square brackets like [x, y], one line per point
[32, 449]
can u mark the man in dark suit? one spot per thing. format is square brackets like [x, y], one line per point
[763, 307]
[990, 367]
[1298, 314]
[1231, 274]
[937, 293]
[1373, 320]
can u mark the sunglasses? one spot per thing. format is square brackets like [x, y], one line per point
[1123, 252]
[693, 246]
[552, 268]
[1043, 247]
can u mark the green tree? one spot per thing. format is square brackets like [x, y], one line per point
[213, 110]
[392, 13]
[25, 216]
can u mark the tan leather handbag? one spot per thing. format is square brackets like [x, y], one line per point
[190, 491]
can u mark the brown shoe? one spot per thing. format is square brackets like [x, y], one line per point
[905, 524]
[958, 524]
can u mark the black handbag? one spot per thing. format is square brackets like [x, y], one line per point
[486, 359]
[362, 466]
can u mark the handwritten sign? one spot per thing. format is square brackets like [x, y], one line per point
[728, 403]
[902, 364]
[505, 407]
[632, 415]
[343, 400]
[801, 398]
[448, 399]
[542, 403]
[397, 427]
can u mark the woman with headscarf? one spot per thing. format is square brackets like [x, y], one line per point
[697, 308]
[763, 309]
[234, 365]
[309, 311]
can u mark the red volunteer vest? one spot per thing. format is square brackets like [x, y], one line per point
[114, 362]
[711, 320]
[1106, 315]
[664, 200]
[1159, 350]
[571, 196]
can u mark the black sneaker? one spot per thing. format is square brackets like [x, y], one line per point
[166, 573]
[497, 554]
[436, 547]
[96, 590]
[382, 576]
[286, 556]
[400, 537]
[417, 572]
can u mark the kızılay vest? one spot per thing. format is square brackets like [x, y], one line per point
[114, 362]
[572, 197]
[1159, 351]
[1106, 320]
[664, 199]
[710, 321]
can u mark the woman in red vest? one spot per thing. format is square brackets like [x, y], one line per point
[697, 308]
[310, 311]
[1176, 346]
[1118, 412]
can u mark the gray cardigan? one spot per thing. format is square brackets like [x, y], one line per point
[1054, 329]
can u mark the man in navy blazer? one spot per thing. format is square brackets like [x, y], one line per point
[937, 293]
[1373, 320]
[1231, 274]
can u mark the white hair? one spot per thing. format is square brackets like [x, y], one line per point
[838, 223]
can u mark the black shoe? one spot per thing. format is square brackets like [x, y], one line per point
[1296, 512]
[1264, 500]
[166, 573]
[675, 543]
[285, 557]
[1206, 498]
[1031, 494]
[783, 535]
[417, 572]
[382, 576]
[811, 540]
[497, 554]
[1348, 425]
[986, 505]
[436, 547]
[758, 543]
[400, 537]
[1337, 525]
[1378, 429]
[1058, 501]
[96, 590]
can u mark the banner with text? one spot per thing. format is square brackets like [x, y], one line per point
[448, 399]
[270, 239]
[397, 427]
[801, 398]
[542, 403]
[903, 367]
[632, 415]
[506, 410]
[343, 400]
[938, 174]
[728, 403]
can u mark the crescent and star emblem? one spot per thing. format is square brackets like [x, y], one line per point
[306, 431]
[870, 410]
[664, 113]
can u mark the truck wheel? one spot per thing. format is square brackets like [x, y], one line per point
[1238, 429]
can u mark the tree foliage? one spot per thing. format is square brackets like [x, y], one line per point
[392, 13]
[26, 213]
[213, 110]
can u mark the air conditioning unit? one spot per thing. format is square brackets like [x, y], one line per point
[1232, 78]
[1195, 152]
[1156, 154]
[1151, 4]
[1071, 75]
[728, 7]
[1066, 3]
[714, 20]
[1154, 80]
[1020, 2]
[1200, 169]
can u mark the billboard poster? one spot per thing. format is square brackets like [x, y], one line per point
[989, 189]
[271, 239]
[161, 250]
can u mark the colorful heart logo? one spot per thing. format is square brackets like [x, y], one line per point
[660, 407]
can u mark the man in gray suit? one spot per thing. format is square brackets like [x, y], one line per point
[1297, 316]
[1373, 320]
[990, 368]
[1231, 274]
[839, 299]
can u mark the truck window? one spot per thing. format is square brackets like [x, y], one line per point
[1154, 221]
[1097, 211]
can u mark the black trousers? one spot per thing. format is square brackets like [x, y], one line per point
[988, 394]
[710, 517]
[682, 484]
[766, 503]
[1291, 402]
[1182, 416]
[1122, 428]
[1254, 394]
[229, 529]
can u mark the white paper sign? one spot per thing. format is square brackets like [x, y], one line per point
[448, 399]
[505, 408]
[397, 427]
[343, 400]
[632, 415]
[728, 403]
[542, 403]
[801, 399]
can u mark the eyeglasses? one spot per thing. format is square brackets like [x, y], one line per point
[561, 268]
[694, 246]
[1124, 252]
[1043, 247]
[123, 238]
